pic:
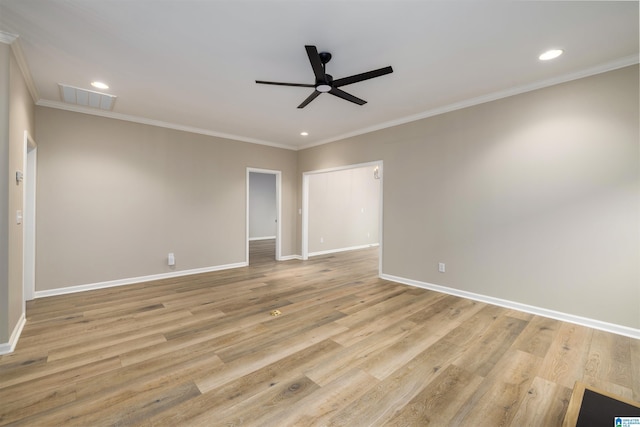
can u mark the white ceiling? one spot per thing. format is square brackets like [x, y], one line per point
[193, 64]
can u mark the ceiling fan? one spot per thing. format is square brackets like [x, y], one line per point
[325, 83]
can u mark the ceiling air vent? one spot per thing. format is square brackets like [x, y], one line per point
[86, 98]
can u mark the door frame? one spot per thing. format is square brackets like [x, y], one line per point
[305, 205]
[29, 218]
[278, 175]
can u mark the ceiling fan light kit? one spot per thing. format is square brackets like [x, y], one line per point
[324, 83]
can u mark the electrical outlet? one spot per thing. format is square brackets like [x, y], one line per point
[441, 268]
[322, 240]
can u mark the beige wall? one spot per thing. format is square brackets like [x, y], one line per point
[343, 209]
[21, 117]
[115, 197]
[16, 116]
[5, 54]
[263, 210]
[533, 199]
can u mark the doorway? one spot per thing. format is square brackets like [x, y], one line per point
[29, 218]
[263, 216]
[349, 212]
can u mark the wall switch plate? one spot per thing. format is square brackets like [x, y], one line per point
[441, 268]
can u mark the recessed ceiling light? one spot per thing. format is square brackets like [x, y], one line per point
[304, 133]
[100, 85]
[550, 54]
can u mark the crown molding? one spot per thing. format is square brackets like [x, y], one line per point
[158, 123]
[14, 41]
[609, 66]
[16, 47]
[603, 68]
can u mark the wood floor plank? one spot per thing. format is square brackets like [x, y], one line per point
[369, 314]
[377, 293]
[497, 398]
[279, 330]
[439, 401]
[182, 364]
[565, 361]
[609, 358]
[141, 406]
[317, 408]
[65, 336]
[161, 349]
[266, 355]
[108, 347]
[276, 398]
[368, 321]
[538, 335]
[60, 371]
[356, 354]
[544, 405]
[419, 338]
[378, 405]
[474, 328]
[349, 348]
[482, 356]
[21, 403]
[246, 387]
[496, 408]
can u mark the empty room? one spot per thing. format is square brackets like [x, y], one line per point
[319, 213]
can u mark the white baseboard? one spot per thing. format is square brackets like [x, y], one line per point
[565, 317]
[8, 347]
[351, 248]
[290, 257]
[251, 239]
[132, 280]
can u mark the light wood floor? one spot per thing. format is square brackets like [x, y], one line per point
[262, 252]
[349, 349]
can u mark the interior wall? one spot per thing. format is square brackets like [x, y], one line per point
[115, 197]
[21, 119]
[533, 199]
[16, 117]
[262, 205]
[343, 209]
[5, 54]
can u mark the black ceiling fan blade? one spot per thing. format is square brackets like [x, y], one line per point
[344, 95]
[262, 82]
[310, 98]
[363, 76]
[316, 63]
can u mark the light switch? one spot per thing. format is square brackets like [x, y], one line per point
[18, 217]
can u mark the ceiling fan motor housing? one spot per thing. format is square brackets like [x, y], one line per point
[325, 57]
